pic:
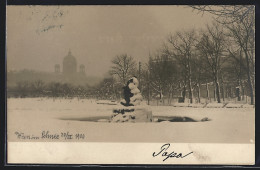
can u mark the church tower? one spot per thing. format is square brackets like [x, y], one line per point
[82, 69]
[57, 68]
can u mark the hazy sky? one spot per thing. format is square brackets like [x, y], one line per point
[38, 37]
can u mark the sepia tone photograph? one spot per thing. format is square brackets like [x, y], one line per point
[131, 76]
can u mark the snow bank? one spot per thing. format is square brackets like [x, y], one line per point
[109, 102]
[233, 105]
[197, 105]
[31, 116]
[248, 106]
[215, 105]
[181, 105]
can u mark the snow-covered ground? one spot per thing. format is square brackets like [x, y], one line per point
[31, 116]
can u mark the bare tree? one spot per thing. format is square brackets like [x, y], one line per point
[243, 35]
[182, 48]
[55, 88]
[240, 22]
[22, 88]
[123, 67]
[38, 86]
[226, 14]
[201, 74]
[211, 47]
[161, 74]
[108, 89]
[66, 89]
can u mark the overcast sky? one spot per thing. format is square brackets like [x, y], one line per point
[38, 37]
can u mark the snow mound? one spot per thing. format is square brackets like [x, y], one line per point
[108, 102]
[133, 114]
[181, 105]
[103, 120]
[181, 119]
[233, 105]
[197, 105]
[248, 106]
[215, 105]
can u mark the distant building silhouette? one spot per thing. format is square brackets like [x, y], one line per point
[82, 69]
[57, 68]
[70, 74]
[69, 65]
[64, 73]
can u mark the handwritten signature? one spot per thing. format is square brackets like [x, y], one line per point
[167, 155]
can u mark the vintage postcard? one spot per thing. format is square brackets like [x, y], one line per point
[131, 84]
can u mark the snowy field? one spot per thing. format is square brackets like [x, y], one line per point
[32, 116]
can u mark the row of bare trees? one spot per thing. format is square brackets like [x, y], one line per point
[222, 55]
[39, 88]
[239, 22]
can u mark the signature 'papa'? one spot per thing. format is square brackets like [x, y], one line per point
[167, 155]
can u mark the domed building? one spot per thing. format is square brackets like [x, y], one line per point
[70, 73]
[69, 65]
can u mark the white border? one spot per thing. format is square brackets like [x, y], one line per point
[128, 153]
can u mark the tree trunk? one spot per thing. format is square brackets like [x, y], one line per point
[190, 95]
[226, 89]
[123, 77]
[161, 97]
[238, 94]
[207, 87]
[231, 92]
[148, 99]
[189, 85]
[139, 77]
[169, 95]
[243, 92]
[249, 80]
[199, 93]
[172, 96]
[183, 94]
[217, 92]
[223, 92]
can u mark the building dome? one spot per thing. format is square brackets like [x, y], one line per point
[69, 64]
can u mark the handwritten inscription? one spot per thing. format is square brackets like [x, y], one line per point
[21, 135]
[163, 152]
[51, 136]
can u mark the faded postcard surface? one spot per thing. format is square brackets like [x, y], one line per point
[165, 84]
